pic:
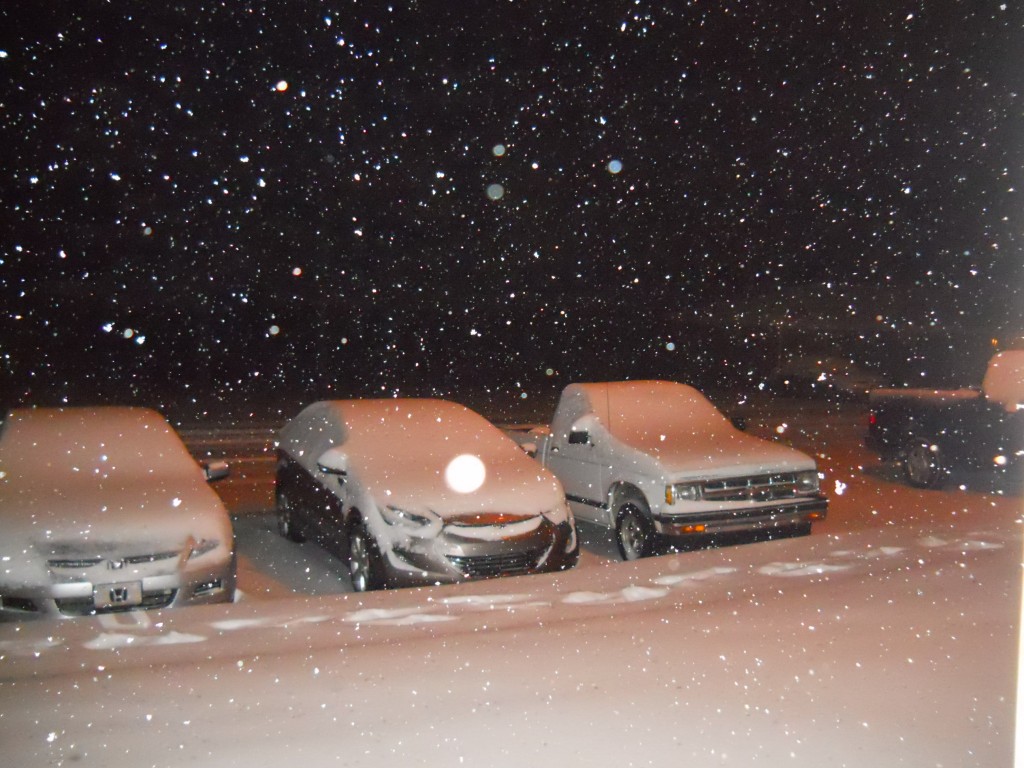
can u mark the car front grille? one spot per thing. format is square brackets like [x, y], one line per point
[83, 606]
[487, 566]
[752, 488]
[78, 563]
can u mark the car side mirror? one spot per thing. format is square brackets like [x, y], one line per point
[216, 470]
[579, 437]
[333, 462]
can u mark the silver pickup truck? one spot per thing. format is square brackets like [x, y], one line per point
[655, 460]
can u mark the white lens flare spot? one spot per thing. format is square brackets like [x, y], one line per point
[615, 166]
[465, 473]
[495, 191]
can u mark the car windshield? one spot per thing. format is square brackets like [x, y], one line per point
[62, 445]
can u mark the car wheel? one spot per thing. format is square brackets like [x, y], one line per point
[633, 530]
[287, 525]
[364, 561]
[923, 464]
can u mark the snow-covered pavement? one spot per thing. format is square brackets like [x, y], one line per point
[893, 643]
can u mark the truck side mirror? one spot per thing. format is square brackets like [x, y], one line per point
[579, 437]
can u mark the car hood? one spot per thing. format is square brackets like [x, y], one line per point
[511, 484]
[720, 452]
[112, 517]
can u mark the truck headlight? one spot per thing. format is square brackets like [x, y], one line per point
[807, 482]
[683, 492]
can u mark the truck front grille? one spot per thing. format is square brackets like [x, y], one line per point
[752, 488]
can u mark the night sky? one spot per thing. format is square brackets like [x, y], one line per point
[288, 200]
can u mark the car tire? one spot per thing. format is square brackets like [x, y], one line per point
[365, 564]
[923, 464]
[287, 524]
[634, 533]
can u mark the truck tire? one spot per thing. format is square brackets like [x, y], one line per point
[366, 566]
[634, 533]
[923, 464]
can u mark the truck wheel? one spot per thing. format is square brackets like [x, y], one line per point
[923, 464]
[633, 531]
[364, 560]
[287, 525]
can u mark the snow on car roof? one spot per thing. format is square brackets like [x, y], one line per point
[403, 448]
[89, 441]
[631, 407]
[394, 427]
[680, 426]
[1004, 379]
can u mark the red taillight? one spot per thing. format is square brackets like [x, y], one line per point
[872, 419]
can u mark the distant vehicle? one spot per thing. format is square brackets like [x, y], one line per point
[102, 510]
[418, 491]
[932, 432]
[813, 376]
[655, 460]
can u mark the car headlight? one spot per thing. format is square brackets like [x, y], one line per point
[417, 521]
[201, 547]
[558, 514]
[807, 482]
[683, 492]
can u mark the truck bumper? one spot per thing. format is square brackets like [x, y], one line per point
[757, 519]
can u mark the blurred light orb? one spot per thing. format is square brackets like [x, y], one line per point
[274, 330]
[297, 272]
[495, 191]
[465, 473]
[282, 86]
[671, 346]
[498, 150]
[615, 166]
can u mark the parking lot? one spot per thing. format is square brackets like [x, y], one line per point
[864, 493]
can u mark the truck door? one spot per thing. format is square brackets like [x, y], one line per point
[578, 460]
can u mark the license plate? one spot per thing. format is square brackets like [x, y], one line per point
[122, 595]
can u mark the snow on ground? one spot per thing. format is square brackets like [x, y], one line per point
[890, 642]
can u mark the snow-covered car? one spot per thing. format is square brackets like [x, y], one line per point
[816, 376]
[419, 491]
[102, 510]
[934, 432]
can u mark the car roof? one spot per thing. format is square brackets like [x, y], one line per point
[84, 440]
